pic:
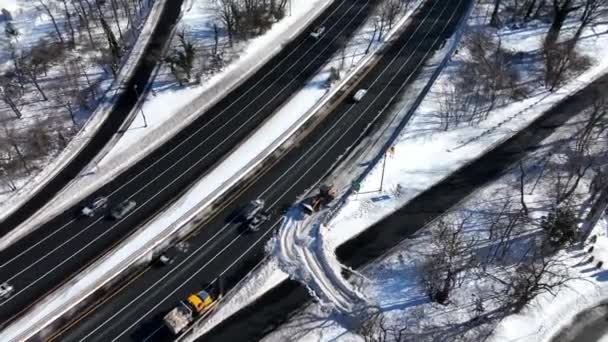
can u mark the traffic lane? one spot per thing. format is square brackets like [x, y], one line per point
[92, 234]
[346, 143]
[32, 239]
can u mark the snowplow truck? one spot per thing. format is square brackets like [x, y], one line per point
[327, 193]
[186, 311]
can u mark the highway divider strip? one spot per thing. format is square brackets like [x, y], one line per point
[84, 135]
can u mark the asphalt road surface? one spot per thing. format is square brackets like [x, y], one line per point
[222, 248]
[50, 255]
[275, 307]
[113, 122]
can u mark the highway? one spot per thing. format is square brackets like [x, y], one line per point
[48, 257]
[221, 248]
[115, 119]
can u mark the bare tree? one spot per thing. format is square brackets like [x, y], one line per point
[560, 60]
[561, 11]
[495, 20]
[540, 274]
[9, 93]
[49, 12]
[11, 138]
[227, 13]
[444, 270]
[522, 184]
[592, 10]
[375, 328]
[68, 21]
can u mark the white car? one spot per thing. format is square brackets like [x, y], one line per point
[318, 32]
[359, 94]
[98, 204]
[6, 290]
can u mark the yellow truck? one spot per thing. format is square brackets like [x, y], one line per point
[186, 311]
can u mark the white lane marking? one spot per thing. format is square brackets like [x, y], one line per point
[38, 243]
[198, 145]
[302, 176]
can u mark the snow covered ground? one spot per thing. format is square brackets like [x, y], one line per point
[410, 170]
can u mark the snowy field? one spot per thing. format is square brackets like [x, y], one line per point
[410, 170]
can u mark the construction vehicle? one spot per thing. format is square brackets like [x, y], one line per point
[327, 193]
[186, 311]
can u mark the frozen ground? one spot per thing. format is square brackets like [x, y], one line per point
[410, 170]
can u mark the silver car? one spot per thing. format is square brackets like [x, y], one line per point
[6, 290]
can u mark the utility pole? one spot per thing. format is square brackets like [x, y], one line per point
[141, 108]
[383, 168]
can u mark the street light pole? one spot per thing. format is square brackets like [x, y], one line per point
[141, 108]
[383, 168]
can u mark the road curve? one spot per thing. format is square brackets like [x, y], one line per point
[221, 248]
[48, 257]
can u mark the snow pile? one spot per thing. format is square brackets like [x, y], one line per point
[301, 252]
